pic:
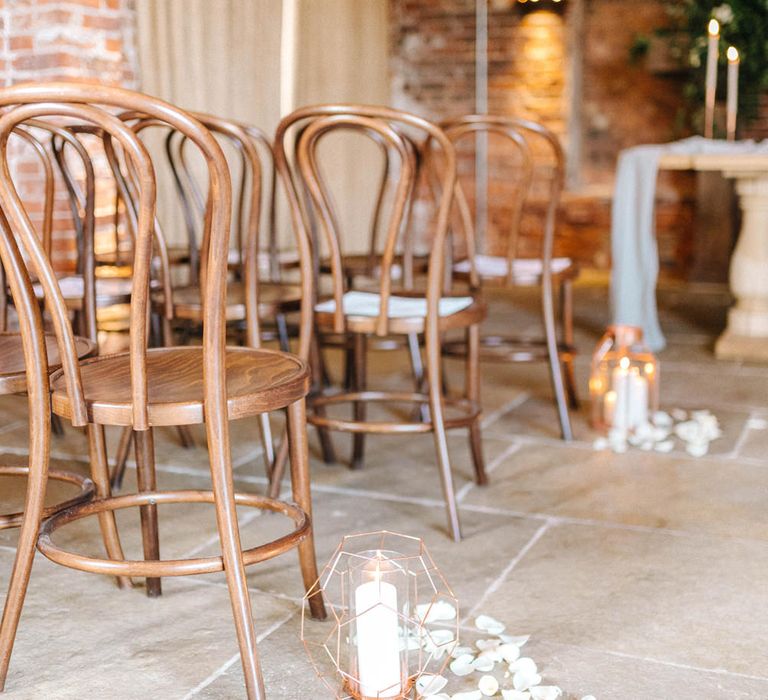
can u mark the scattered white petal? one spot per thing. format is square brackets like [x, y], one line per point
[462, 666]
[679, 414]
[488, 686]
[526, 663]
[660, 434]
[697, 449]
[600, 444]
[487, 644]
[483, 663]
[430, 684]
[436, 612]
[617, 434]
[469, 695]
[439, 696]
[662, 419]
[461, 651]
[489, 624]
[515, 694]
[509, 652]
[546, 692]
[647, 446]
[757, 424]
[517, 641]
[589, 697]
[619, 447]
[665, 446]
[523, 680]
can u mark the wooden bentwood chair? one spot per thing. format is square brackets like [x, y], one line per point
[144, 387]
[387, 311]
[534, 158]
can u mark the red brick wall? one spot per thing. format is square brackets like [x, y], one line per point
[44, 40]
[433, 59]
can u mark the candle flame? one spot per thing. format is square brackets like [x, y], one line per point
[714, 27]
[624, 363]
[733, 54]
[649, 368]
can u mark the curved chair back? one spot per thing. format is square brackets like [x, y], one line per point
[298, 160]
[540, 170]
[95, 104]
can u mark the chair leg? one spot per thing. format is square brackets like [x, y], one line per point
[555, 372]
[267, 442]
[566, 316]
[300, 483]
[282, 332]
[278, 470]
[34, 504]
[231, 551]
[56, 425]
[473, 394]
[359, 351]
[145, 475]
[121, 458]
[321, 379]
[185, 436]
[438, 429]
[417, 366]
[97, 450]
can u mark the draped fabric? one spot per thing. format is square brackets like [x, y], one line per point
[224, 57]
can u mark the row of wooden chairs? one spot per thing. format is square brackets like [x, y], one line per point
[228, 290]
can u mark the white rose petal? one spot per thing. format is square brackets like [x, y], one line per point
[509, 652]
[589, 697]
[662, 419]
[679, 414]
[487, 644]
[488, 624]
[526, 664]
[483, 663]
[439, 696]
[436, 612]
[523, 680]
[488, 686]
[469, 695]
[456, 652]
[517, 641]
[697, 449]
[757, 424]
[462, 666]
[515, 694]
[546, 692]
[600, 444]
[429, 684]
[665, 446]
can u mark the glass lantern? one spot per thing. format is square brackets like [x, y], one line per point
[394, 620]
[624, 382]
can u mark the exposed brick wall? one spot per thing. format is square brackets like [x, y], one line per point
[433, 58]
[43, 40]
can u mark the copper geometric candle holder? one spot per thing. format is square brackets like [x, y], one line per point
[395, 619]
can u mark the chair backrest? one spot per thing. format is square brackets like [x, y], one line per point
[298, 159]
[96, 104]
[538, 161]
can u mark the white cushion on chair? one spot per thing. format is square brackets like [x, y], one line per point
[523, 269]
[368, 304]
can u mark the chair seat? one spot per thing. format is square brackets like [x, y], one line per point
[273, 297]
[406, 313]
[257, 381]
[109, 290]
[365, 265]
[13, 378]
[525, 271]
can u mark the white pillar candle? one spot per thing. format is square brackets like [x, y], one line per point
[609, 408]
[378, 640]
[733, 92]
[620, 388]
[713, 48]
[638, 399]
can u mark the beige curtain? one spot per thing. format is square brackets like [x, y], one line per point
[224, 57]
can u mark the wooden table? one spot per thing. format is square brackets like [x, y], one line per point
[746, 335]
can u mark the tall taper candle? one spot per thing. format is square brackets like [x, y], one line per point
[733, 92]
[711, 84]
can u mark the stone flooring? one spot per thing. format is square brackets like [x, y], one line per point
[640, 576]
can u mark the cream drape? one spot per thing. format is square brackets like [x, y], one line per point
[224, 57]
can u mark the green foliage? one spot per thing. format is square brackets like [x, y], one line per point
[743, 24]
